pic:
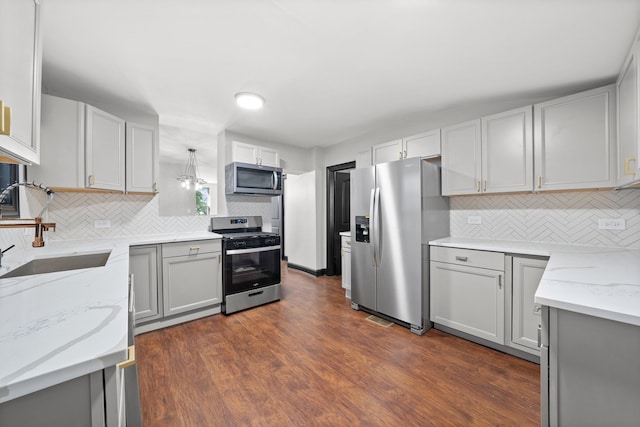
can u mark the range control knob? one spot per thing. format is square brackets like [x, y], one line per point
[239, 245]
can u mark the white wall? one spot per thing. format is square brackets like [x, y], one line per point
[300, 221]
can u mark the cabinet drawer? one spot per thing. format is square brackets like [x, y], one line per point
[472, 258]
[190, 248]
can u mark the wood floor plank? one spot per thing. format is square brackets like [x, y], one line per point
[310, 359]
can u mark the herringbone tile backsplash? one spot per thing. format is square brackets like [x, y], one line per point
[570, 217]
[75, 215]
[546, 217]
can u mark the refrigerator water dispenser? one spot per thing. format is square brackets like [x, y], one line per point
[362, 229]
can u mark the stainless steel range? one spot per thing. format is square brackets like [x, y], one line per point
[251, 259]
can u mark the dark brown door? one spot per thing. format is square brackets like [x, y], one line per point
[341, 214]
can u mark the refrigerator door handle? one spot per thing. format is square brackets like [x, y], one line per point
[372, 242]
[376, 226]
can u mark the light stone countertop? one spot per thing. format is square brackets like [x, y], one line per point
[593, 280]
[58, 326]
[345, 233]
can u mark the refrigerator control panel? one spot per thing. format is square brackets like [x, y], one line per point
[362, 229]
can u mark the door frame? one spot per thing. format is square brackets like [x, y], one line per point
[331, 190]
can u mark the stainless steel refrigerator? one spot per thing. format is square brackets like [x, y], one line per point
[396, 208]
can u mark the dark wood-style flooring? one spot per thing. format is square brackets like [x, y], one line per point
[312, 360]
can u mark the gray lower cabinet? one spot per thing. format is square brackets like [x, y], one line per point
[190, 276]
[87, 401]
[590, 371]
[175, 282]
[467, 291]
[525, 313]
[144, 262]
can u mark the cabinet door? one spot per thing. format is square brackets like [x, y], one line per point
[426, 144]
[526, 315]
[105, 151]
[575, 141]
[346, 264]
[594, 371]
[387, 152]
[268, 157]
[191, 282]
[142, 158]
[77, 402]
[628, 145]
[461, 158]
[62, 131]
[507, 151]
[143, 265]
[20, 79]
[363, 159]
[468, 299]
[245, 153]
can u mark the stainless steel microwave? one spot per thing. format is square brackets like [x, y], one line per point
[247, 178]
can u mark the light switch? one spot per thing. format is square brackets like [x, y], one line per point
[612, 224]
[474, 219]
[102, 223]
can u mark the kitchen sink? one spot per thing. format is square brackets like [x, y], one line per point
[63, 263]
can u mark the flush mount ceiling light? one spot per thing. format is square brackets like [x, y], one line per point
[248, 100]
[191, 175]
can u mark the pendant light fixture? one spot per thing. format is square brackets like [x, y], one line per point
[191, 177]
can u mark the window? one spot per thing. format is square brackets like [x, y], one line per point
[203, 207]
[10, 206]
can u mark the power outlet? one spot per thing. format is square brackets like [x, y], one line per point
[102, 223]
[612, 224]
[474, 219]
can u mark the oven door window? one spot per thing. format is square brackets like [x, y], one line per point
[253, 270]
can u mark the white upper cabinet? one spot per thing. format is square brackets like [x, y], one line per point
[490, 155]
[461, 158]
[85, 148]
[507, 151]
[628, 121]
[363, 158]
[142, 158]
[575, 141]
[426, 144]
[20, 80]
[387, 151]
[249, 153]
[104, 150]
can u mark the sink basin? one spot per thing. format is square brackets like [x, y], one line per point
[63, 263]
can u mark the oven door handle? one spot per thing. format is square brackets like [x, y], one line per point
[252, 250]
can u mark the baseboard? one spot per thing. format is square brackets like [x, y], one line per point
[316, 273]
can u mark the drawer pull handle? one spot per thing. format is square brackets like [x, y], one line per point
[194, 248]
[461, 258]
[253, 294]
[131, 359]
[627, 169]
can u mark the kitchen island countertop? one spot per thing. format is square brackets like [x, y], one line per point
[58, 326]
[593, 280]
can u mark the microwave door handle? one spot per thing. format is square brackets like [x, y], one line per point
[275, 180]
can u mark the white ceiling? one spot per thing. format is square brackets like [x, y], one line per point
[331, 71]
